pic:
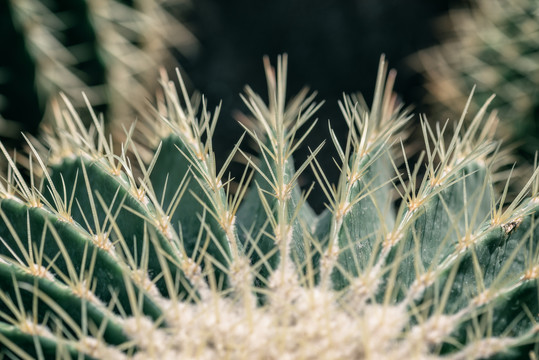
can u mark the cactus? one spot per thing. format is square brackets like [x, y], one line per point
[108, 49]
[494, 45]
[149, 254]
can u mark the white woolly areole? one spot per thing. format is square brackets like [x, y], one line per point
[305, 324]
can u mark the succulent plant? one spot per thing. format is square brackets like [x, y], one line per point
[108, 49]
[103, 258]
[494, 45]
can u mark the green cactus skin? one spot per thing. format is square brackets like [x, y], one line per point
[107, 259]
[495, 47]
[108, 49]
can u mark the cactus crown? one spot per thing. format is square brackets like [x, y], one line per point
[107, 259]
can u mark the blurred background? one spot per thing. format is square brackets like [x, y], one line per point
[114, 49]
[332, 46]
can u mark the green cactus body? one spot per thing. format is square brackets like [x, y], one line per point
[105, 259]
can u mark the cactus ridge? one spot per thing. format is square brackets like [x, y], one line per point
[114, 251]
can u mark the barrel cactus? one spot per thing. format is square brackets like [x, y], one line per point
[495, 46]
[150, 254]
[108, 49]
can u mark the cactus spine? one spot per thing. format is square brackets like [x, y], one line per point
[105, 259]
